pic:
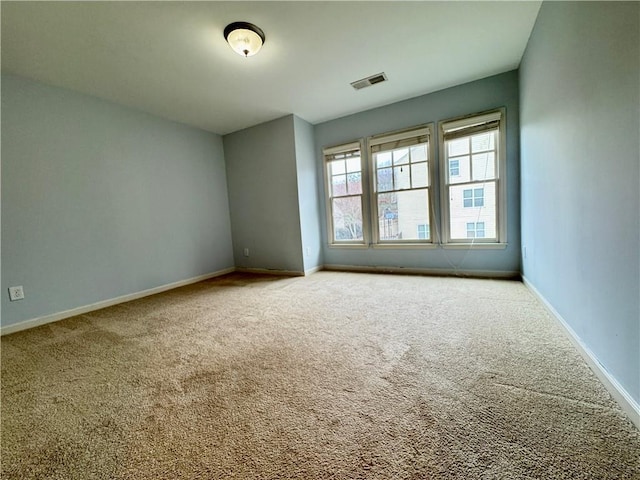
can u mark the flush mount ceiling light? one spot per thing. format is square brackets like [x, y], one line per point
[245, 38]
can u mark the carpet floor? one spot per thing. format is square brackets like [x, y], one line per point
[331, 376]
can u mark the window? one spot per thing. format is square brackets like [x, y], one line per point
[472, 192]
[381, 190]
[423, 231]
[473, 197]
[344, 191]
[475, 230]
[454, 168]
[401, 162]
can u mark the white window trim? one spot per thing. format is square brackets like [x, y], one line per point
[345, 147]
[396, 136]
[477, 245]
[501, 179]
[438, 188]
[407, 245]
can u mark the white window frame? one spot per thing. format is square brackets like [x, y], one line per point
[402, 138]
[472, 124]
[327, 155]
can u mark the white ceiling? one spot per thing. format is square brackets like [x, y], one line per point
[170, 58]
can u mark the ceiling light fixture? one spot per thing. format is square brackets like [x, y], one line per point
[245, 38]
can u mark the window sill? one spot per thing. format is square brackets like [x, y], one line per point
[421, 246]
[385, 246]
[404, 246]
[349, 246]
[476, 245]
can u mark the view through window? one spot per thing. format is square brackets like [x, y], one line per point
[384, 193]
[344, 171]
[471, 157]
[401, 163]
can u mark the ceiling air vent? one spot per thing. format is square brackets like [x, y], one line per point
[367, 82]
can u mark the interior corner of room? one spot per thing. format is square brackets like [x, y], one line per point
[104, 203]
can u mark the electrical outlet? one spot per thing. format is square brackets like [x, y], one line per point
[307, 251]
[16, 293]
[524, 252]
[246, 252]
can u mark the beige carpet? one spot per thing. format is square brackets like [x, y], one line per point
[332, 376]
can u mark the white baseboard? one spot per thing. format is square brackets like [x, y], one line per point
[269, 271]
[54, 317]
[309, 271]
[440, 272]
[617, 391]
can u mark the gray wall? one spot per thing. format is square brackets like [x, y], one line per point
[492, 92]
[580, 109]
[100, 201]
[308, 194]
[263, 196]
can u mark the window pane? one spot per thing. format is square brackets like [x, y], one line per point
[484, 166]
[472, 168]
[454, 168]
[345, 189]
[419, 175]
[388, 216]
[347, 218]
[354, 183]
[337, 167]
[475, 230]
[479, 207]
[385, 179]
[401, 157]
[464, 170]
[353, 164]
[413, 210]
[400, 214]
[419, 153]
[483, 141]
[478, 197]
[383, 159]
[423, 231]
[457, 147]
[471, 230]
[401, 177]
[338, 185]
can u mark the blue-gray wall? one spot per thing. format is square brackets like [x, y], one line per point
[263, 196]
[492, 92]
[580, 110]
[100, 201]
[308, 194]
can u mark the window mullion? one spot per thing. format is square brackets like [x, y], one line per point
[470, 158]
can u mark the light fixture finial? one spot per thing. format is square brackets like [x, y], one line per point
[244, 38]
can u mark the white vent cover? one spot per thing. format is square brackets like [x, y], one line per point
[367, 82]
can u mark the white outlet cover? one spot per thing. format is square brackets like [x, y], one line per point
[16, 293]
